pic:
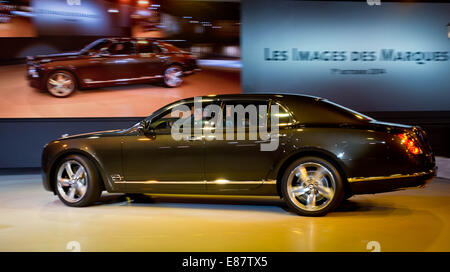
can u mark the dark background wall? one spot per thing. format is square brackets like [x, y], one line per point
[59, 26]
[22, 140]
[15, 50]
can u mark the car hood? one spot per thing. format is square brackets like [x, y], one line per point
[98, 134]
[54, 57]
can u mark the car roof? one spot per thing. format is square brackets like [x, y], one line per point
[260, 96]
[125, 39]
[308, 108]
[254, 96]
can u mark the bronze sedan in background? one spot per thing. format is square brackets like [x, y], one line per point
[108, 62]
[326, 153]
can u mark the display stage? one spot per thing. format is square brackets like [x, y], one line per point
[35, 220]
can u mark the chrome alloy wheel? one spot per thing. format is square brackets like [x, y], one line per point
[71, 181]
[60, 84]
[173, 76]
[311, 186]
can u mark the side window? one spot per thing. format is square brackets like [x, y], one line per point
[245, 114]
[284, 118]
[146, 47]
[122, 48]
[164, 123]
[96, 46]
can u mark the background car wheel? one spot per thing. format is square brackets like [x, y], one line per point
[61, 84]
[173, 76]
[312, 186]
[77, 182]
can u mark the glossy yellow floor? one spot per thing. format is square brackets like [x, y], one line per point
[32, 219]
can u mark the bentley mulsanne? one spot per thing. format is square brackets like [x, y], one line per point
[324, 153]
[109, 62]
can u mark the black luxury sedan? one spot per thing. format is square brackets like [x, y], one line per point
[108, 62]
[323, 153]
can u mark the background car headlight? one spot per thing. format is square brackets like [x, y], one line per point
[33, 72]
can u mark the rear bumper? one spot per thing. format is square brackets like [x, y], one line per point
[190, 67]
[190, 72]
[373, 185]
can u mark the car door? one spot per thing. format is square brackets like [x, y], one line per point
[150, 59]
[114, 63]
[120, 63]
[160, 163]
[90, 68]
[238, 164]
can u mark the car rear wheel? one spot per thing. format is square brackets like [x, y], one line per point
[173, 76]
[312, 186]
[61, 84]
[77, 182]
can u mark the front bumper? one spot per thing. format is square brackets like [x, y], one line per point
[373, 185]
[46, 181]
[34, 78]
[35, 83]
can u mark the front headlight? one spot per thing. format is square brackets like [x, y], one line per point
[33, 72]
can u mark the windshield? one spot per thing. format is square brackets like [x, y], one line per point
[169, 48]
[159, 111]
[95, 46]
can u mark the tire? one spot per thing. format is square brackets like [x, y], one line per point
[319, 176]
[61, 84]
[86, 187]
[173, 76]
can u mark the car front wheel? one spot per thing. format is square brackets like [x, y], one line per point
[61, 84]
[77, 182]
[312, 186]
[173, 76]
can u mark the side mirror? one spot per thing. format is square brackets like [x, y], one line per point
[145, 129]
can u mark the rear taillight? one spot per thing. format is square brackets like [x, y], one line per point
[410, 144]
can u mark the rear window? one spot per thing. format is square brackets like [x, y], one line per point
[347, 111]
